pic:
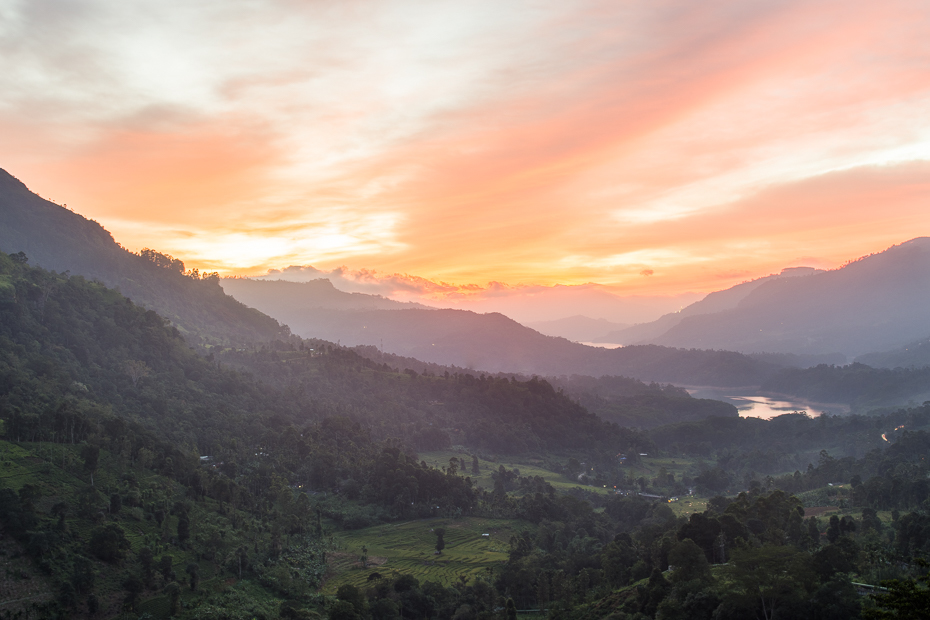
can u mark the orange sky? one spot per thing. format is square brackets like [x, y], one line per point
[649, 147]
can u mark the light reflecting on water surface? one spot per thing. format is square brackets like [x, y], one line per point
[759, 406]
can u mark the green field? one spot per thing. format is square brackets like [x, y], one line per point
[409, 548]
[647, 467]
[527, 467]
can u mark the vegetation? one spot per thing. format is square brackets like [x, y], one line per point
[140, 476]
[859, 385]
[59, 239]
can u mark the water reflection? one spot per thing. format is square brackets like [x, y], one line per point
[759, 406]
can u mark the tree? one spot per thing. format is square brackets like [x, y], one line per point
[91, 456]
[133, 587]
[904, 600]
[343, 610]
[29, 494]
[767, 577]
[173, 590]
[184, 529]
[82, 575]
[136, 370]
[573, 467]
[60, 510]
[165, 567]
[193, 571]
[440, 541]
[689, 561]
[475, 467]
[352, 595]
[116, 503]
[109, 542]
[147, 562]
[511, 610]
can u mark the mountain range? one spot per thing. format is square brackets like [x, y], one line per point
[875, 303]
[718, 301]
[579, 328]
[871, 304]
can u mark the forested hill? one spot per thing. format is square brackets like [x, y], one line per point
[57, 239]
[73, 345]
[622, 400]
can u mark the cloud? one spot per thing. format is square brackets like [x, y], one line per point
[525, 303]
[531, 143]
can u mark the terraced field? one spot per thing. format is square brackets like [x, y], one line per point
[409, 548]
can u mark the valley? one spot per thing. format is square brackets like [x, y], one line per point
[156, 464]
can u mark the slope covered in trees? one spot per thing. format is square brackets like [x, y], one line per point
[57, 239]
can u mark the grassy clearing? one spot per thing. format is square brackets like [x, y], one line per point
[647, 467]
[528, 467]
[686, 506]
[409, 548]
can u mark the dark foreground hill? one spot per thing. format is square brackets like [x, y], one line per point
[60, 240]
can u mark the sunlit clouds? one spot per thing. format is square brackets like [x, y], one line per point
[646, 148]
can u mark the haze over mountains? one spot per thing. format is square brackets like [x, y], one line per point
[805, 315]
[872, 304]
[579, 328]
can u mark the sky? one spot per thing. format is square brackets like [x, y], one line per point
[481, 149]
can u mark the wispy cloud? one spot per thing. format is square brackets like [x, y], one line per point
[527, 142]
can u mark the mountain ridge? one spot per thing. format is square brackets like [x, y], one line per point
[58, 239]
[870, 304]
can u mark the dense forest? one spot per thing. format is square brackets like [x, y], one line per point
[141, 476]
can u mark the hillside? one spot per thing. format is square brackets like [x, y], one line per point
[872, 304]
[60, 240]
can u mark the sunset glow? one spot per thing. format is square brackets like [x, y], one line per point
[650, 148]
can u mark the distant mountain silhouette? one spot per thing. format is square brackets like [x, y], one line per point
[718, 301]
[291, 300]
[875, 303]
[578, 328]
[55, 238]
[488, 342]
